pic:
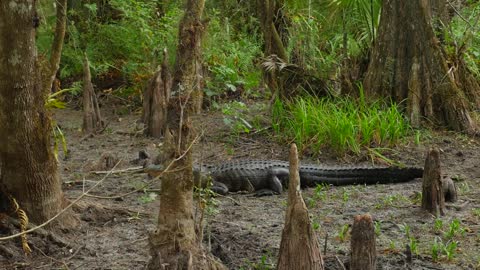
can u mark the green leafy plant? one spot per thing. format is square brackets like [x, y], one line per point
[264, 264]
[391, 201]
[377, 227]
[450, 249]
[436, 249]
[321, 192]
[476, 212]
[438, 225]
[343, 232]
[455, 228]
[413, 243]
[391, 245]
[148, 197]
[406, 229]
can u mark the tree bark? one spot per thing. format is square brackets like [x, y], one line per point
[408, 64]
[363, 256]
[29, 169]
[175, 244]
[433, 197]
[92, 119]
[299, 248]
[188, 58]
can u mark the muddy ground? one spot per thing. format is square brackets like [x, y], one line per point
[242, 230]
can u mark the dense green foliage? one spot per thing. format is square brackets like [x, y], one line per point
[463, 37]
[125, 44]
[344, 125]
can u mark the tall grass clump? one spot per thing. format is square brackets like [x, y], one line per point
[343, 124]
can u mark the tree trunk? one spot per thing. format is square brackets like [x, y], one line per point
[175, 244]
[408, 64]
[433, 194]
[92, 119]
[188, 58]
[57, 45]
[363, 256]
[29, 169]
[155, 100]
[273, 41]
[299, 248]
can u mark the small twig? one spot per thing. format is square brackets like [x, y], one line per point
[325, 245]
[139, 240]
[76, 252]
[132, 169]
[230, 198]
[340, 262]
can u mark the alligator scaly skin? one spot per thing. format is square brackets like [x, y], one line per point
[260, 175]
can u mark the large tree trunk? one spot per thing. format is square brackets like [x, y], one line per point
[175, 244]
[408, 64]
[29, 169]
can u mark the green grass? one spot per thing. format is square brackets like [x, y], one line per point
[345, 125]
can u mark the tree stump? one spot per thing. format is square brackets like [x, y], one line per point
[92, 119]
[363, 253]
[433, 198]
[155, 100]
[299, 248]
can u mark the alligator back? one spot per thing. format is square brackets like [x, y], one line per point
[254, 175]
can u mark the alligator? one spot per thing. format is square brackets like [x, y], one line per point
[267, 177]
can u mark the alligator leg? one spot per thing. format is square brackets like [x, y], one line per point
[275, 185]
[219, 188]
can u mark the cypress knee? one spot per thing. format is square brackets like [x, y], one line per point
[299, 248]
[363, 253]
[433, 198]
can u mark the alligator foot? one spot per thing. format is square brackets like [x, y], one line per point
[264, 192]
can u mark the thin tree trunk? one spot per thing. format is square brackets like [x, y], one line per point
[57, 45]
[29, 169]
[175, 244]
[273, 42]
[408, 64]
[299, 248]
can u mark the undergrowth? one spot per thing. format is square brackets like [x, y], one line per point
[343, 124]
